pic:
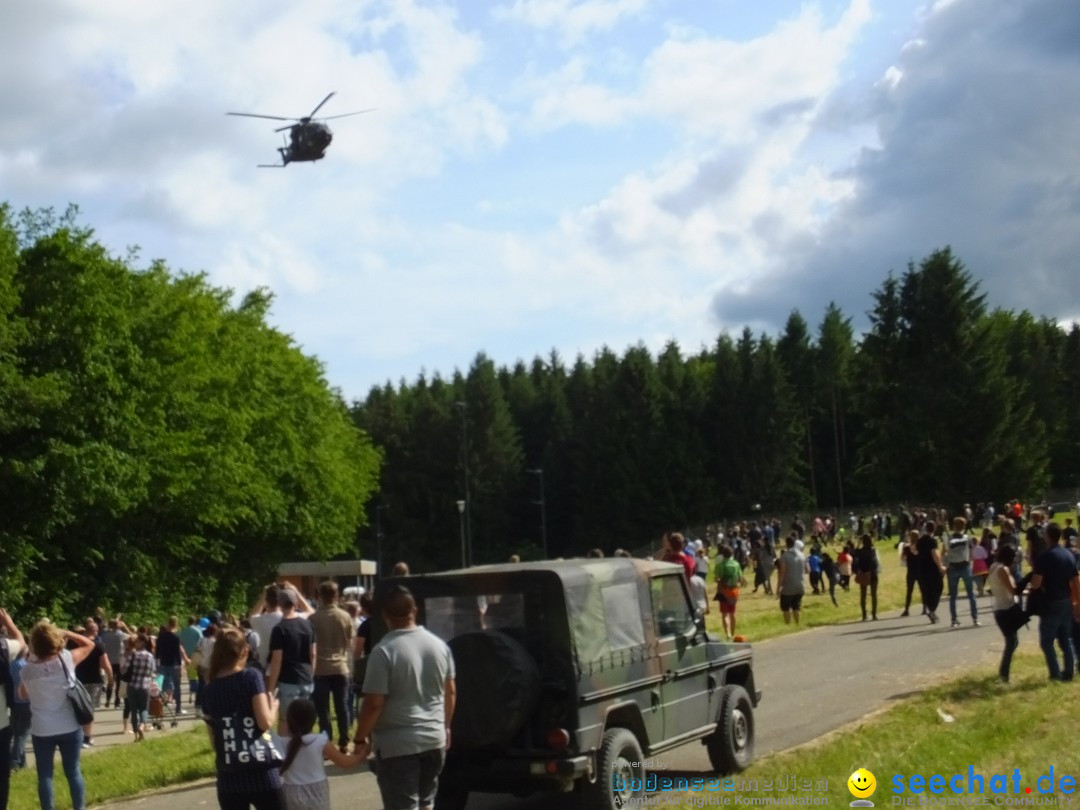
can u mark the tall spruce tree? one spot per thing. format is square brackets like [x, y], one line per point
[834, 362]
[796, 355]
[961, 420]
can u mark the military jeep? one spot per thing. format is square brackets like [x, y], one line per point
[571, 674]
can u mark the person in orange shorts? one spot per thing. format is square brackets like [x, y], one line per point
[729, 576]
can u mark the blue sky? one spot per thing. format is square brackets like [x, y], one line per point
[559, 174]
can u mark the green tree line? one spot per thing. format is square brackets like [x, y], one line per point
[941, 400]
[161, 449]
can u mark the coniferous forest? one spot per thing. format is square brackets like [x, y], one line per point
[945, 399]
[163, 449]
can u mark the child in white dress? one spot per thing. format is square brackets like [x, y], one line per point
[303, 774]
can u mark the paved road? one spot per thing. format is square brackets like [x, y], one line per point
[812, 682]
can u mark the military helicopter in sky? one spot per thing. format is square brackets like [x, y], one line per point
[308, 137]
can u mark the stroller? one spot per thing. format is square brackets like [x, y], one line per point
[161, 704]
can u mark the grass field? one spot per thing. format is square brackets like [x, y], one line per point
[758, 616]
[124, 770]
[973, 721]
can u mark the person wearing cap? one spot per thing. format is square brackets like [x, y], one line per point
[292, 655]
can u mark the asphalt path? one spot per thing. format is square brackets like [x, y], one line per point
[812, 682]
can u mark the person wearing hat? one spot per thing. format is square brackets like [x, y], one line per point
[292, 655]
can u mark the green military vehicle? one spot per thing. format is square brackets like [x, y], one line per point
[572, 674]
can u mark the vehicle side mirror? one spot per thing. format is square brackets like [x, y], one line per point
[699, 629]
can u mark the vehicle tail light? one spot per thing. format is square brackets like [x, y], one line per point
[739, 638]
[557, 739]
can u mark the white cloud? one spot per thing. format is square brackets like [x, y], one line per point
[512, 202]
[713, 87]
[573, 19]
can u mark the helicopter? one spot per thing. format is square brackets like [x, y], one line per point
[308, 137]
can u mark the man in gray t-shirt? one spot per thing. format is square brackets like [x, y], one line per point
[409, 697]
[791, 581]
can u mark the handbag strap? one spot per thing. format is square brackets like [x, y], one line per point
[67, 673]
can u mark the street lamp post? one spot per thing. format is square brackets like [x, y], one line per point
[461, 518]
[539, 473]
[467, 508]
[379, 539]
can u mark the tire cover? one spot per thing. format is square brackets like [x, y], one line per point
[498, 685]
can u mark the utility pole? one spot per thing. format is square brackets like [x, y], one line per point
[461, 518]
[539, 473]
[465, 466]
[379, 540]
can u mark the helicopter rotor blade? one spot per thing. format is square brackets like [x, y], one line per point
[287, 126]
[271, 117]
[346, 115]
[319, 105]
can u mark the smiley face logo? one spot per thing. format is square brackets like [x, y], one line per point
[862, 784]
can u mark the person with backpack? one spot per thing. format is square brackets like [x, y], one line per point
[729, 576]
[958, 561]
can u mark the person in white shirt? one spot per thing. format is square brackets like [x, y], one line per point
[45, 683]
[12, 645]
[303, 775]
[700, 594]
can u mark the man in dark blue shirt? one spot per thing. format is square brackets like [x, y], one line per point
[1056, 575]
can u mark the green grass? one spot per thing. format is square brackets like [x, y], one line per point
[758, 616]
[1027, 724]
[124, 770]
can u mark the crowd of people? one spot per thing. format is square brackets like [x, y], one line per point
[938, 554]
[264, 684]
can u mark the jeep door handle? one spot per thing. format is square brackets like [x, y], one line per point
[655, 698]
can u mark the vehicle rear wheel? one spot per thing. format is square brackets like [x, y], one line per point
[731, 746]
[620, 775]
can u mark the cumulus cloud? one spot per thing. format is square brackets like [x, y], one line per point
[534, 178]
[978, 148]
[712, 86]
[573, 19]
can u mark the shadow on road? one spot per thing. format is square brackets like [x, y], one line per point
[905, 695]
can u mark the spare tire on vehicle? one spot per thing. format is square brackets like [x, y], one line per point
[498, 685]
